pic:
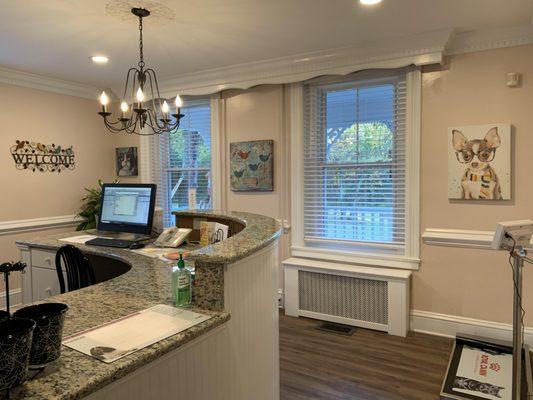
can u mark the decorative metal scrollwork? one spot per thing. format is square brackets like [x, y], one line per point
[41, 157]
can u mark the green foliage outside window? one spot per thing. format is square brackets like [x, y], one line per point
[359, 185]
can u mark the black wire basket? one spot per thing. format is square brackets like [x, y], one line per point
[46, 343]
[15, 344]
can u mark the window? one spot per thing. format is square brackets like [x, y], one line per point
[182, 161]
[356, 176]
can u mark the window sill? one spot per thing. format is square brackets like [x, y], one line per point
[399, 262]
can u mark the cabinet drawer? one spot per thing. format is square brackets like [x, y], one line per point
[44, 283]
[43, 259]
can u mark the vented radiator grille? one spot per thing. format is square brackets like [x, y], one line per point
[343, 296]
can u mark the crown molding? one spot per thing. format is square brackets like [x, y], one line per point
[422, 49]
[488, 39]
[48, 84]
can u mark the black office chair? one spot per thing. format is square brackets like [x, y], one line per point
[80, 272]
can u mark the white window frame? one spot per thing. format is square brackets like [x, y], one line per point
[410, 259]
[146, 154]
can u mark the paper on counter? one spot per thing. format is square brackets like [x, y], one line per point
[116, 339]
[81, 239]
[151, 251]
[167, 254]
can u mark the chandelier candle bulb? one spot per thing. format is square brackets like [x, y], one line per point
[140, 96]
[123, 108]
[104, 100]
[179, 103]
[164, 108]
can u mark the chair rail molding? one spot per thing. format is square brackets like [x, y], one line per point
[459, 238]
[48, 84]
[37, 224]
[421, 49]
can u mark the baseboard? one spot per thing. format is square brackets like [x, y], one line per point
[15, 298]
[450, 325]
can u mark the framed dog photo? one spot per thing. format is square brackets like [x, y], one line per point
[126, 161]
[479, 162]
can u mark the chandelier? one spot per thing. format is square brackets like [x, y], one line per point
[144, 114]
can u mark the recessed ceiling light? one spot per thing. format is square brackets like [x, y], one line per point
[99, 59]
[369, 2]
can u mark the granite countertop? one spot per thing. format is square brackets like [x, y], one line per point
[259, 232]
[147, 283]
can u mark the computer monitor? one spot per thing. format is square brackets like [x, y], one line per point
[127, 208]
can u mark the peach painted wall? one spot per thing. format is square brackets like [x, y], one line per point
[260, 113]
[470, 89]
[45, 117]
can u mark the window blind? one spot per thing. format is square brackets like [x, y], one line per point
[182, 160]
[355, 162]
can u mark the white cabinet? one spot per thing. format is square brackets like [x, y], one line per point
[44, 283]
[39, 280]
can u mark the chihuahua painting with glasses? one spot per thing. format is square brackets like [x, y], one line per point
[476, 157]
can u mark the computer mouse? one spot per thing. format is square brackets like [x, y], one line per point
[137, 246]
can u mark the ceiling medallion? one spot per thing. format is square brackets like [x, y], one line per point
[146, 117]
[160, 14]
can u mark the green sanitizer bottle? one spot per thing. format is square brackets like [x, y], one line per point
[181, 284]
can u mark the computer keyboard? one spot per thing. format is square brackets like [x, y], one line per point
[119, 243]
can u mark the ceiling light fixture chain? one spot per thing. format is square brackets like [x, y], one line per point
[141, 53]
[156, 118]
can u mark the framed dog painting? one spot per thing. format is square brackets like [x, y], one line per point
[126, 161]
[479, 162]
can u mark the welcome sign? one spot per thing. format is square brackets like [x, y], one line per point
[41, 157]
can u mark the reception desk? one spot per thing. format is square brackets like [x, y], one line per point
[233, 355]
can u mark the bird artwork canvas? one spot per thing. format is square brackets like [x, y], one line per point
[252, 166]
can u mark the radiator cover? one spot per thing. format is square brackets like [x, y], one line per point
[363, 296]
[344, 296]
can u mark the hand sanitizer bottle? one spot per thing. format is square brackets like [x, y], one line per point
[181, 284]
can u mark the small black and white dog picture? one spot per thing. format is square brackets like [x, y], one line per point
[479, 162]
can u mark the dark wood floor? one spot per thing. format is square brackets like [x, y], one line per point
[369, 365]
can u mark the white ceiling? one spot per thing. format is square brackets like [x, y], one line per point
[56, 37]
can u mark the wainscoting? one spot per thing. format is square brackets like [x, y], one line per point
[16, 299]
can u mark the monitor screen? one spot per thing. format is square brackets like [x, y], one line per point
[127, 208]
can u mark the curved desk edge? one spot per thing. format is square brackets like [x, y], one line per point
[259, 231]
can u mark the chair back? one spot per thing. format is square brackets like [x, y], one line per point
[78, 268]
